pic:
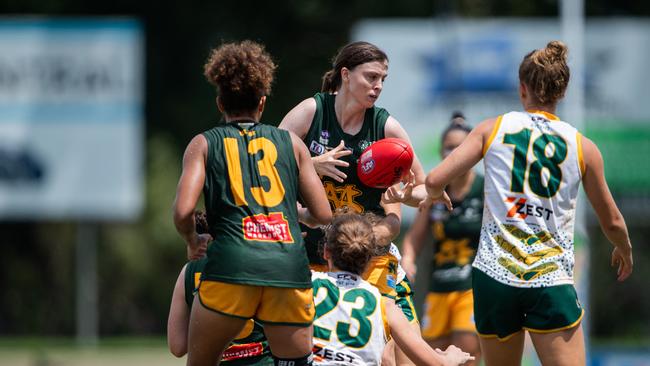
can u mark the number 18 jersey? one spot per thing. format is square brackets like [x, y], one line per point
[533, 168]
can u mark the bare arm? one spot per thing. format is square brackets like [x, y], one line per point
[179, 318]
[415, 347]
[414, 240]
[610, 218]
[389, 228]
[462, 159]
[317, 209]
[414, 191]
[188, 192]
[298, 121]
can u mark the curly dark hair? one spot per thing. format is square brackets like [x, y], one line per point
[242, 73]
[546, 73]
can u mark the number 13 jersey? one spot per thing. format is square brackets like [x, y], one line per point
[533, 168]
[251, 188]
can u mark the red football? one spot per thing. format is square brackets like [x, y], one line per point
[385, 162]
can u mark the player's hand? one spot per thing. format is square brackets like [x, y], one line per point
[622, 259]
[328, 163]
[454, 355]
[197, 246]
[397, 194]
[426, 203]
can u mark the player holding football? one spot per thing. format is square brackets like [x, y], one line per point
[534, 164]
[337, 124]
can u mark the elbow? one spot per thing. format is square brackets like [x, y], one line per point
[324, 218]
[177, 348]
[432, 184]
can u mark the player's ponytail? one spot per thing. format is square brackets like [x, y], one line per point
[350, 56]
[545, 73]
[350, 241]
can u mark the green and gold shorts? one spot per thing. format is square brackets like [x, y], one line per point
[500, 310]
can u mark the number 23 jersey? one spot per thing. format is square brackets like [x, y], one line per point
[533, 168]
[350, 326]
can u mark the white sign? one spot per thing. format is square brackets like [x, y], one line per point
[71, 118]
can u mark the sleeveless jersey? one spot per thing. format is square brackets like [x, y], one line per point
[350, 326]
[533, 168]
[456, 236]
[250, 347]
[250, 195]
[325, 133]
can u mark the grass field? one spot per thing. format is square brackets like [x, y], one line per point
[142, 351]
[66, 352]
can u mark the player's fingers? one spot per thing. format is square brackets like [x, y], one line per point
[340, 163]
[342, 152]
[338, 148]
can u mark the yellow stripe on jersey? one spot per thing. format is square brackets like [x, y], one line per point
[550, 116]
[497, 124]
[581, 159]
[385, 319]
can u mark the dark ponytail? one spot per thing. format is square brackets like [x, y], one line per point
[350, 56]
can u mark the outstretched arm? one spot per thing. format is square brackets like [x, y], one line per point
[415, 347]
[610, 218]
[462, 159]
[414, 240]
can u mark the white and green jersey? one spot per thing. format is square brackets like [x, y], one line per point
[533, 168]
[350, 326]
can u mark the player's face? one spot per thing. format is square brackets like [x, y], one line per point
[452, 141]
[366, 82]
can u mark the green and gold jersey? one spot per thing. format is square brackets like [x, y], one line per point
[325, 133]
[250, 347]
[250, 191]
[456, 235]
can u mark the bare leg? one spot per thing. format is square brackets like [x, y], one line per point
[507, 353]
[468, 342]
[441, 342]
[289, 341]
[205, 346]
[565, 347]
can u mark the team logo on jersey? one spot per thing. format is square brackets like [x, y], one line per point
[317, 148]
[521, 209]
[340, 196]
[273, 227]
[324, 137]
[239, 351]
[363, 144]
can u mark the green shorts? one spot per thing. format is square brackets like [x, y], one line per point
[404, 300]
[501, 311]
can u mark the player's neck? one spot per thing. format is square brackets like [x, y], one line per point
[349, 113]
[460, 186]
[534, 106]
